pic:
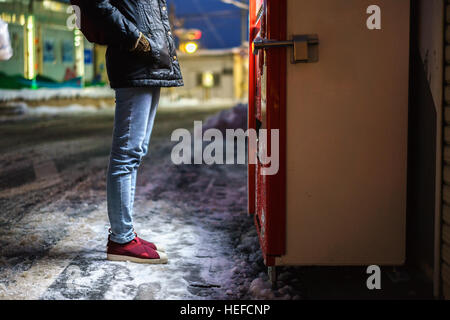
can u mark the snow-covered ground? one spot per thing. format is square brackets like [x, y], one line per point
[45, 94]
[53, 222]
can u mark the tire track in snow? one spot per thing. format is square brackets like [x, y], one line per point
[46, 175]
[32, 284]
[51, 239]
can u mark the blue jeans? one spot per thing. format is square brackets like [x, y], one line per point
[133, 123]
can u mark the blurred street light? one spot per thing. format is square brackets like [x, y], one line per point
[208, 79]
[190, 47]
[188, 34]
[188, 39]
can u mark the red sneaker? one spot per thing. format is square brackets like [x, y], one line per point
[134, 251]
[151, 245]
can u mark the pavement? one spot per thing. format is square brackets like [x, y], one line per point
[54, 220]
[54, 226]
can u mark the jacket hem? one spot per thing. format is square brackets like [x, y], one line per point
[146, 83]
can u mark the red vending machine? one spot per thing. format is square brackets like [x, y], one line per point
[331, 77]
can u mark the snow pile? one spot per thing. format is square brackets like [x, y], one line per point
[261, 289]
[234, 118]
[251, 273]
[48, 110]
[44, 94]
[21, 111]
[198, 213]
[70, 109]
[168, 102]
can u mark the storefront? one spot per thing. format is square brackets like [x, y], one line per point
[44, 44]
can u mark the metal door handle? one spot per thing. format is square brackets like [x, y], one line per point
[305, 47]
[260, 43]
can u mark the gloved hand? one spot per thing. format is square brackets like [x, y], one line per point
[142, 46]
[159, 55]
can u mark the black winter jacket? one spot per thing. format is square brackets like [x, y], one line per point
[124, 20]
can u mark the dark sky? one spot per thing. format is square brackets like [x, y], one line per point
[220, 22]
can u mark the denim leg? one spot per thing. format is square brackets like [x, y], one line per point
[133, 109]
[146, 141]
[151, 119]
[133, 189]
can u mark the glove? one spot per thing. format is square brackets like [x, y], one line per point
[159, 56]
[142, 46]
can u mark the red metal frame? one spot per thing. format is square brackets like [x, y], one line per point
[251, 188]
[270, 191]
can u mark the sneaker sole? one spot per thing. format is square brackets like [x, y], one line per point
[115, 257]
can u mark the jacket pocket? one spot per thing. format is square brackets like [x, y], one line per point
[150, 27]
[160, 50]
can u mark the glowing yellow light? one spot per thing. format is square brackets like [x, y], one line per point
[30, 48]
[77, 38]
[6, 17]
[22, 20]
[190, 47]
[79, 52]
[208, 79]
[53, 5]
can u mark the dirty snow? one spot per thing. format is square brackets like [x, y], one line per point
[231, 118]
[166, 101]
[54, 222]
[45, 94]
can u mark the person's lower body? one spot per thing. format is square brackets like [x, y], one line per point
[133, 123]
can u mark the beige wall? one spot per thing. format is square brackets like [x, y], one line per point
[229, 65]
[347, 119]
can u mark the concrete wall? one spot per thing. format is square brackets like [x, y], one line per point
[220, 64]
